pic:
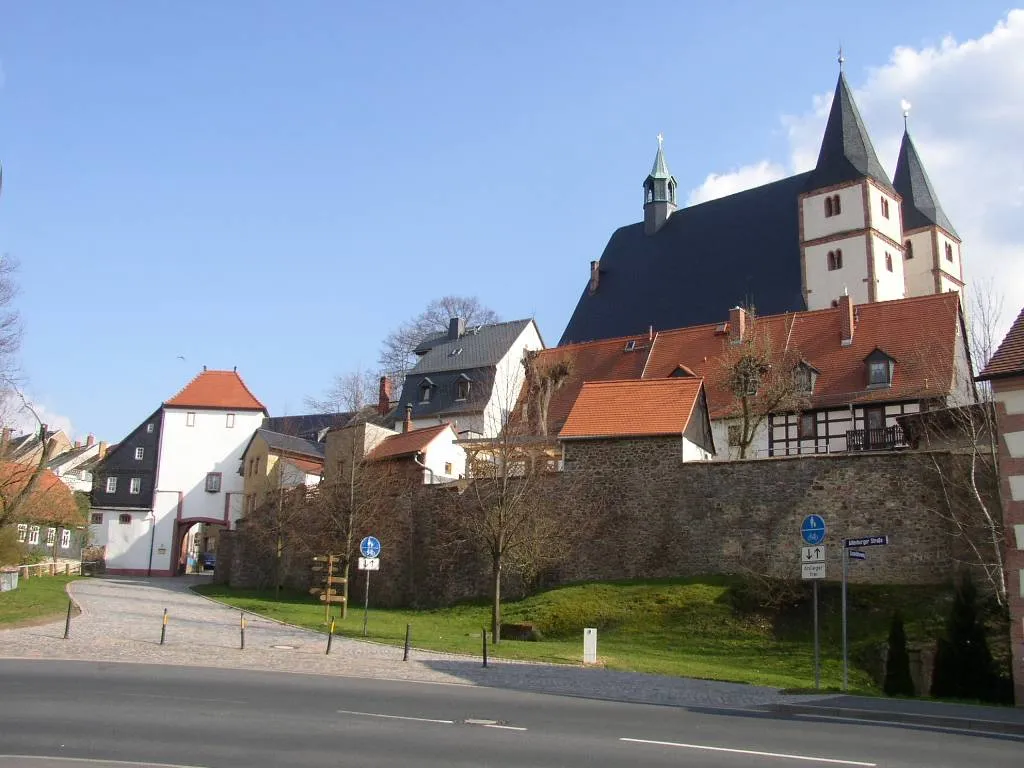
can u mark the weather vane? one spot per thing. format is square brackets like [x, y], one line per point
[841, 59]
[905, 106]
[661, 138]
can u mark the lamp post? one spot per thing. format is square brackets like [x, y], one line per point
[151, 517]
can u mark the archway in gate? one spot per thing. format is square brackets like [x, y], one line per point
[194, 539]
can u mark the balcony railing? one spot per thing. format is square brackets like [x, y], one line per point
[883, 439]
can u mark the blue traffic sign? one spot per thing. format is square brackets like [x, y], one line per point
[813, 529]
[370, 546]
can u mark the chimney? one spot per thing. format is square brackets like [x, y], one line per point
[407, 425]
[846, 319]
[5, 440]
[595, 276]
[78, 443]
[90, 441]
[384, 396]
[737, 325]
[456, 328]
[103, 449]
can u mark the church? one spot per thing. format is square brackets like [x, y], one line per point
[842, 228]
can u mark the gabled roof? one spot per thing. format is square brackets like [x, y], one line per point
[309, 466]
[920, 333]
[742, 249]
[73, 458]
[407, 443]
[216, 389]
[637, 408]
[846, 152]
[288, 444]
[921, 207]
[306, 425]
[1008, 360]
[476, 348]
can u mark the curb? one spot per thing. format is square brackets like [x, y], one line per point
[975, 725]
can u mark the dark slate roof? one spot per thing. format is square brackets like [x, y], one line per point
[430, 342]
[443, 391]
[307, 425]
[921, 207]
[707, 258]
[289, 444]
[477, 348]
[846, 152]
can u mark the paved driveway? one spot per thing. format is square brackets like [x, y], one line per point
[121, 618]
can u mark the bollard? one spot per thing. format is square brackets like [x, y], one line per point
[485, 647]
[241, 628]
[330, 636]
[67, 622]
[408, 631]
[163, 628]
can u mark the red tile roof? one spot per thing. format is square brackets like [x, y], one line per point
[50, 502]
[592, 361]
[1009, 358]
[217, 389]
[406, 443]
[920, 333]
[632, 408]
[309, 466]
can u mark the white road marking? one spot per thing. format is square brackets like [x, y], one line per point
[505, 727]
[753, 752]
[395, 717]
[93, 761]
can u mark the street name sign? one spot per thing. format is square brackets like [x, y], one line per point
[810, 571]
[857, 555]
[866, 541]
[369, 563]
[813, 529]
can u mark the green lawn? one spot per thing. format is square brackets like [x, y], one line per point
[686, 627]
[42, 597]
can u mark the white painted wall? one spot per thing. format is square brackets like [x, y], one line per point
[720, 434]
[127, 545]
[918, 272]
[473, 422]
[851, 201]
[824, 285]
[693, 452]
[890, 227]
[946, 285]
[888, 285]
[508, 381]
[1015, 443]
[187, 454]
[954, 267]
[292, 476]
[1013, 400]
[441, 450]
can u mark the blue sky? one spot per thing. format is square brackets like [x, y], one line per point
[276, 185]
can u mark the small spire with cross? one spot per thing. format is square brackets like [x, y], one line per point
[841, 58]
[661, 139]
[905, 106]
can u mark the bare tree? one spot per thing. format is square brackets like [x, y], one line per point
[763, 377]
[546, 373]
[396, 352]
[20, 485]
[350, 393]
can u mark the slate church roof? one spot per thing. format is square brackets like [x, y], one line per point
[921, 207]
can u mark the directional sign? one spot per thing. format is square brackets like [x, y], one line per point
[813, 529]
[867, 541]
[855, 555]
[369, 563]
[370, 547]
[812, 554]
[332, 598]
[812, 571]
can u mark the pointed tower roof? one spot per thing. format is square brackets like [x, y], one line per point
[921, 207]
[219, 390]
[846, 151]
[660, 168]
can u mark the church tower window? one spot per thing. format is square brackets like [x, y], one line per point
[949, 252]
[888, 262]
[835, 259]
[828, 207]
[909, 249]
[836, 207]
[885, 208]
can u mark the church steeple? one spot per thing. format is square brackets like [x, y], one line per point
[846, 152]
[921, 207]
[659, 193]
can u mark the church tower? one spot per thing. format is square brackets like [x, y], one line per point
[931, 247]
[659, 193]
[851, 234]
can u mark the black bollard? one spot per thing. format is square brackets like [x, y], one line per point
[330, 636]
[408, 631]
[485, 647]
[241, 626]
[163, 628]
[67, 622]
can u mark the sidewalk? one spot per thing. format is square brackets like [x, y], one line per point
[935, 714]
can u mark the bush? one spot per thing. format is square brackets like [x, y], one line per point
[898, 681]
[963, 664]
[11, 551]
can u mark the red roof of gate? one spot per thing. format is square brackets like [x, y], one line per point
[217, 389]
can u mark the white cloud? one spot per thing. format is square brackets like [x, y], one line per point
[722, 184]
[967, 122]
[22, 420]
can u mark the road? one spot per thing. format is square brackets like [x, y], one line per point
[222, 718]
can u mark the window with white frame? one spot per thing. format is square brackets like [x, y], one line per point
[51, 536]
[135, 486]
[33, 534]
[65, 539]
[22, 532]
[111, 485]
[149, 428]
[230, 420]
[213, 482]
[139, 453]
[190, 419]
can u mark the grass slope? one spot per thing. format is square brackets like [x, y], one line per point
[688, 627]
[38, 599]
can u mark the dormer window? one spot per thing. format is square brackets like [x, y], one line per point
[462, 388]
[880, 369]
[908, 250]
[425, 390]
[805, 376]
[682, 372]
[835, 259]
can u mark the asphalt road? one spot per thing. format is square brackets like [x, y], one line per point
[218, 718]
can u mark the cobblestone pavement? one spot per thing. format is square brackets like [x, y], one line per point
[121, 618]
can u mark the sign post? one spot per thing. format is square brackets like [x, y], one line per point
[851, 554]
[369, 547]
[813, 530]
